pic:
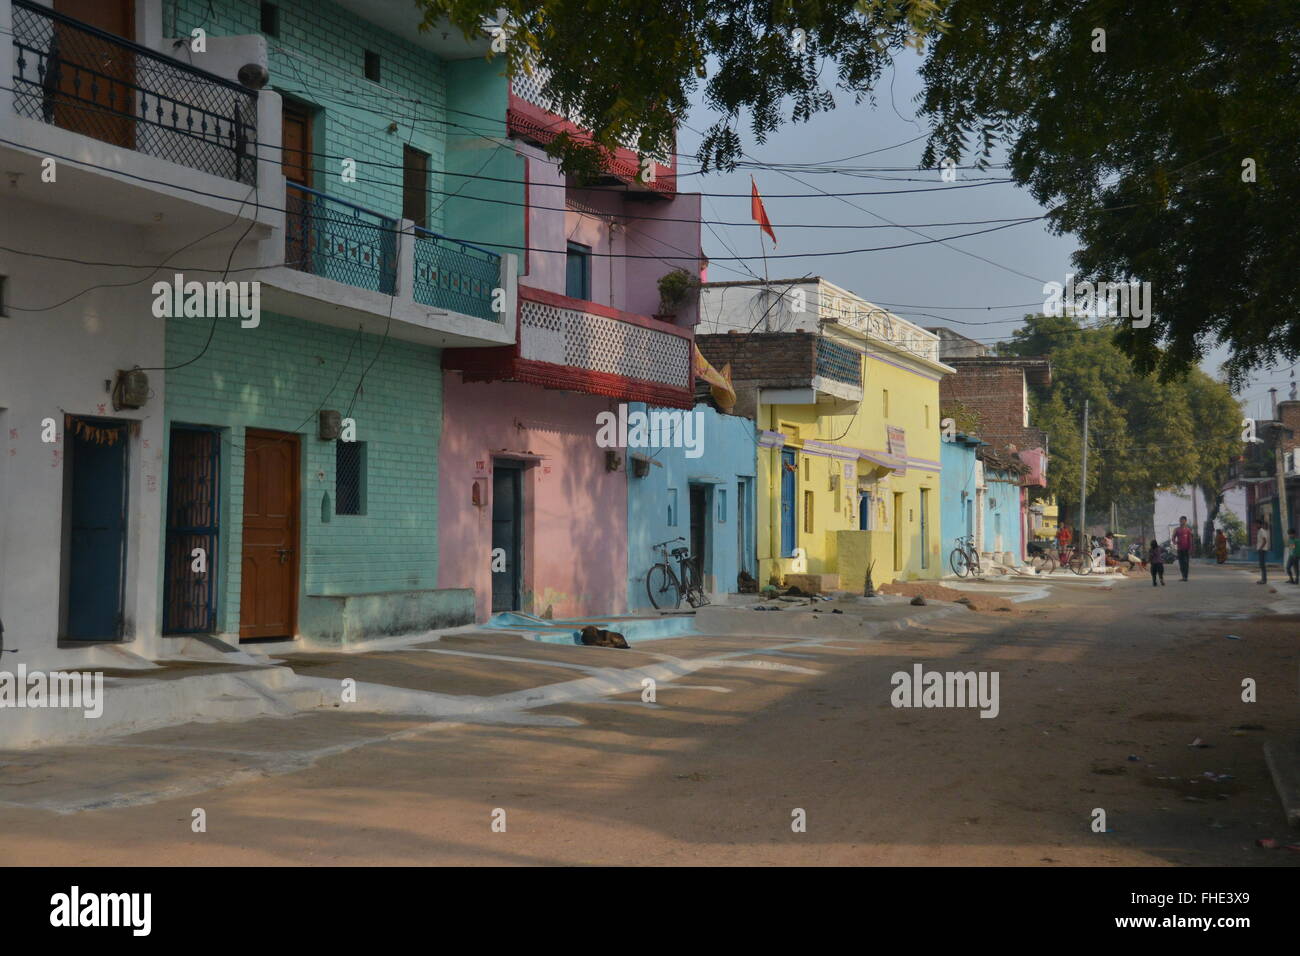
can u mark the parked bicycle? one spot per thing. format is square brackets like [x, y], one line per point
[1078, 561]
[666, 587]
[965, 560]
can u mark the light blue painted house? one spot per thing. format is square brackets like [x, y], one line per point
[708, 500]
[1001, 493]
[959, 484]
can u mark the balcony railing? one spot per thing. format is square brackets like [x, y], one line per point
[74, 76]
[579, 346]
[551, 330]
[455, 275]
[336, 240]
[838, 362]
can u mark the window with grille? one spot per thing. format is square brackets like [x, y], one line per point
[349, 477]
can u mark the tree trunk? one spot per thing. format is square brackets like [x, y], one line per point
[1213, 502]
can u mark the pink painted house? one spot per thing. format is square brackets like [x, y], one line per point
[532, 512]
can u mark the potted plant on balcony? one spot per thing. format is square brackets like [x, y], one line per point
[674, 289]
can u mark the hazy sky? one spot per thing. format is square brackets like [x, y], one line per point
[931, 284]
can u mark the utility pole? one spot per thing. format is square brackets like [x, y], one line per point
[1083, 479]
[1196, 522]
[1280, 452]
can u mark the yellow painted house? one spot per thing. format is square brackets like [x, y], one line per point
[1045, 519]
[845, 396]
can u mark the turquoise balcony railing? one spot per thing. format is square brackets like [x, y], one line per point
[336, 240]
[455, 275]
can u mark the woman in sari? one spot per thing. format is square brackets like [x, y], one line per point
[1220, 546]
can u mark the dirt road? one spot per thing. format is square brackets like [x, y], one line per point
[715, 770]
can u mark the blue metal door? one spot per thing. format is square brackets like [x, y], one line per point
[97, 539]
[788, 475]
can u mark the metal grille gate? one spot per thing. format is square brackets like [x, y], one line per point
[193, 513]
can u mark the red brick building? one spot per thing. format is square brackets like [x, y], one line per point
[995, 391]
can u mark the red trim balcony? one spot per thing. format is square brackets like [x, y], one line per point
[529, 117]
[580, 346]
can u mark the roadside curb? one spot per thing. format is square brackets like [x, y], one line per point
[1284, 764]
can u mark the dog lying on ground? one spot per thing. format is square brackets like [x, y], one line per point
[596, 637]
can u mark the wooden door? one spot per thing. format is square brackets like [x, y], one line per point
[297, 144]
[415, 186]
[96, 77]
[268, 603]
[296, 157]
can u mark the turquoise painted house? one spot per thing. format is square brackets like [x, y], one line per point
[705, 495]
[302, 450]
[959, 486]
[1003, 516]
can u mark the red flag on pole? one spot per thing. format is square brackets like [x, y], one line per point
[757, 212]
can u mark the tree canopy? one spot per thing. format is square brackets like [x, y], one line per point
[1143, 435]
[1165, 145]
[1161, 135]
[626, 71]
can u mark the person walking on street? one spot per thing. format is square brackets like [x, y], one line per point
[1157, 561]
[1220, 547]
[1262, 545]
[1062, 539]
[1183, 544]
[1293, 557]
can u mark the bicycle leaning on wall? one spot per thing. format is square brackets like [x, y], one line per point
[666, 587]
[964, 559]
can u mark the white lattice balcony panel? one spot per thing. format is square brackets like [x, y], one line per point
[580, 346]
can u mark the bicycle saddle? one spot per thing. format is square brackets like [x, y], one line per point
[678, 552]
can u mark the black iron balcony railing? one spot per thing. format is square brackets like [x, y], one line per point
[337, 240]
[455, 275]
[80, 78]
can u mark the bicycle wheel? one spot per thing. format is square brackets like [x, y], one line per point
[691, 586]
[960, 562]
[662, 588]
[1080, 563]
[973, 562]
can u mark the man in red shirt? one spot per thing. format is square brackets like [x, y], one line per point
[1063, 537]
[1183, 544]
